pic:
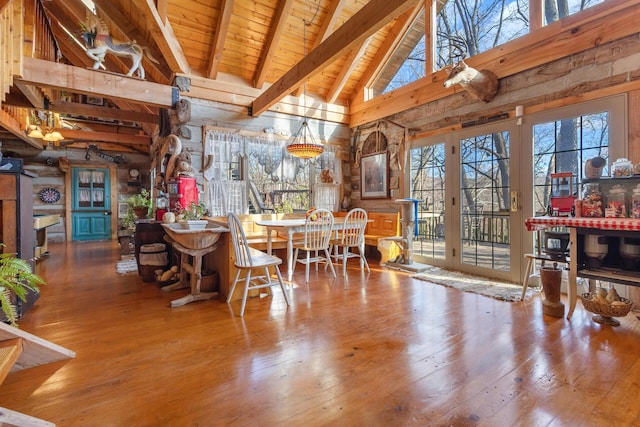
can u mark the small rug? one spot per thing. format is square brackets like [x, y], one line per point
[493, 288]
[127, 265]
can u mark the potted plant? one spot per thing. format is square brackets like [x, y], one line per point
[16, 279]
[140, 203]
[190, 217]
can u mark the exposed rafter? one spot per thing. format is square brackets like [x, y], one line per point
[273, 39]
[350, 63]
[163, 35]
[221, 34]
[363, 24]
[385, 51]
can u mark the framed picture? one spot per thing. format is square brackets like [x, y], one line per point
[374, 176]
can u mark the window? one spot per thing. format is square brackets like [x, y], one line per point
[558, 9]
[564, 146]
[428, 186]
[259, 169]
[466, 28]
[407, 64]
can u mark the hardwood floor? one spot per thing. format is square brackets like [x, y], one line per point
[380, 349]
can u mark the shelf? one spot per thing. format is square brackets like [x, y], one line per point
[624, 277]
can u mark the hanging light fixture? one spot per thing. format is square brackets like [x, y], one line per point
[303, 145]
[45, 131]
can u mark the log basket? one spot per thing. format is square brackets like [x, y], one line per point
[605, 313]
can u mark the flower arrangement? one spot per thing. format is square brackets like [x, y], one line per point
[193, 212]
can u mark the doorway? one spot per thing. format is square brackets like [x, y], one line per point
[469, 218]
[91, 204]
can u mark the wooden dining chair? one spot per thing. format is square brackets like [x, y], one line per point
[351, 237]
[250, 260]
[315, 242]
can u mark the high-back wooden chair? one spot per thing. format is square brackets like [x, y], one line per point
[315, 241]
[351, 237]
[248, 260]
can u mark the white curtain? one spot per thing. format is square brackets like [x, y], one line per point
[327, 196]
[222, 197]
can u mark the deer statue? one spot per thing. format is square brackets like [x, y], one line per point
[482, 85]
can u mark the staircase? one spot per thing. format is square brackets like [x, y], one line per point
[21, 350]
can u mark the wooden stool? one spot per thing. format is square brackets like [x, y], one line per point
[191, 264]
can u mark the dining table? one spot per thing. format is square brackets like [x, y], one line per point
[291, 227]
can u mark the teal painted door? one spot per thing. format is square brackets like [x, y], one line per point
[91, 211]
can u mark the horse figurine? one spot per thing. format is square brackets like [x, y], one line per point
[98, 41]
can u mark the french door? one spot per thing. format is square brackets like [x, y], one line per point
[469, 212]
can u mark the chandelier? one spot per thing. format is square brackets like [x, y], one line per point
[46, 127]
[303, 145]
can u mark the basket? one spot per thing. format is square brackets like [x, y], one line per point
[605, 310]
[195, 239]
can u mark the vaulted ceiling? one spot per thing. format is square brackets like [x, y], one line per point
[270, 46]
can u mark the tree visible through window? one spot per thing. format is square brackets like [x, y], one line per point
[465, 28]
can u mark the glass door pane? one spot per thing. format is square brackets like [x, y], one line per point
[428, 186]
[484, 207]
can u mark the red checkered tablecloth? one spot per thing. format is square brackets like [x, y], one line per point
[541, 222]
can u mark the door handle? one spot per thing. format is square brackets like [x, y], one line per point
[514, 201]
[107, 213]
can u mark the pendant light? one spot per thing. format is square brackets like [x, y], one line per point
[303, 145]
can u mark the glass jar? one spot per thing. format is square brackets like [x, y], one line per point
[622, 168]
[635, 202]
[592, 201]
[616, 202]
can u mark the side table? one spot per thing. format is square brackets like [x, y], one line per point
[190, 274]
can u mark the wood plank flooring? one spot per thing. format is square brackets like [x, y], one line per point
[378, 349]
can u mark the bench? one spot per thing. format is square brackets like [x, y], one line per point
[380, 226]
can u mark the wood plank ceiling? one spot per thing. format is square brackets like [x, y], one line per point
[252, 43]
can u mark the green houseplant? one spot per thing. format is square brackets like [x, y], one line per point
[190, 217]
[140, 203]
[16, 279]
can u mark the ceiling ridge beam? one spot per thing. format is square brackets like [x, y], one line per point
[366, 22]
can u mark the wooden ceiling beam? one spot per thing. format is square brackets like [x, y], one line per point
[372, 17]
[385, 51]
[222, 28]
[165, 38]
[271, 43]
[97, 83]
[4, 3]
[78, 109]
[11, 125]
[327, 26]
[32, 93]
[104, 146]
[119, 138]
[350, 64]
